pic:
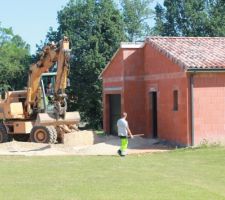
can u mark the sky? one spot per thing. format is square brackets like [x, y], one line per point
[31, 19]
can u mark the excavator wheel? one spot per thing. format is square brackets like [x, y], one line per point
[4, 137]
[43, 134]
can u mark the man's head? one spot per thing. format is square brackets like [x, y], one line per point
[124, 115]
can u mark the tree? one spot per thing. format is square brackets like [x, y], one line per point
[217, 17]
[14, 60]
[159, 21]
[95, 29]
[136, 14]
[183, 18]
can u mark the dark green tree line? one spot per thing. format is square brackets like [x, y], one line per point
[217, 17]
[190, 18]
[14, 60]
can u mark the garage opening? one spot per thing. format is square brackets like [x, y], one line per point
[114, 112]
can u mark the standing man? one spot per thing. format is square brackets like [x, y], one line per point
[123, 132]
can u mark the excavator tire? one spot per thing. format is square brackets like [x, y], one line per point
[43, 134]
[4, 137]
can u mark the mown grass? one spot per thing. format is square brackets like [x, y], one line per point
[176, 175]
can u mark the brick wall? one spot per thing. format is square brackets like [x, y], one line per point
[134, 73]
[163, 76]
[112, 84]
[209, 108]
[133, 93]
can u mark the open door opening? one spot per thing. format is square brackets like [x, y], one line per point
[115, 112]
[154, 123]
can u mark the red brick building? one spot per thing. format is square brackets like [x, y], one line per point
[172, 88]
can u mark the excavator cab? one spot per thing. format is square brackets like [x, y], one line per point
[47, 85]
[48, 100]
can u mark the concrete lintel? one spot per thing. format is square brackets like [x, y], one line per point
[112, 88]
[132, 45]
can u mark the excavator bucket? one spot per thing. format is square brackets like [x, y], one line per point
[50, 119]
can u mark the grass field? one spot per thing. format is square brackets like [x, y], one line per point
[193, 174]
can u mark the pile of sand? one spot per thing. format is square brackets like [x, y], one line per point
[106, 145]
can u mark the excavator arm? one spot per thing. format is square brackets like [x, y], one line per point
[60, 104]
[62, 66]
[51, 54]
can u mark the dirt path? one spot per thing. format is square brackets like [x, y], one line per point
[108, 146]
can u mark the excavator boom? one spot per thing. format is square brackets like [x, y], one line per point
[48, 58]
[51, 55]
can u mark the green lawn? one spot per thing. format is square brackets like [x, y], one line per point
[193, 174]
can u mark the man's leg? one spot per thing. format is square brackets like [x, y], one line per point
[124, 144]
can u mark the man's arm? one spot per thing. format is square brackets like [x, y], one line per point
[129, 132]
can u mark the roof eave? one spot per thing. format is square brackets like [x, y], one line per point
[199, 70]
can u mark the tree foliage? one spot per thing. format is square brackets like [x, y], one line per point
[190, 18]
[14, 59]
[136, 15]
[95, 29]
[217, 17]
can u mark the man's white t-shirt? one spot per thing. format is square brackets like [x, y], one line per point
[122, 126]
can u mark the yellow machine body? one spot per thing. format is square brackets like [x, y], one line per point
[26, 111]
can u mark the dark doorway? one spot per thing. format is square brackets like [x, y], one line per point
[154, 123]
[115, 112]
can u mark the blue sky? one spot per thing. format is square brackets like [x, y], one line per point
[31, 19]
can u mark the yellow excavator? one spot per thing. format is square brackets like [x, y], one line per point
[41, 109]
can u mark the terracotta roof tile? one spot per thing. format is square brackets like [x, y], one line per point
[192, 52]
